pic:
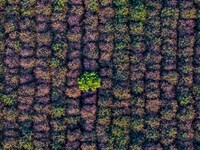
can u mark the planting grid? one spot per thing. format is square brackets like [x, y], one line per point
[146, 53]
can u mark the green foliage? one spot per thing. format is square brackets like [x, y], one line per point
[138, 13]
[120, 136]
[169, 12]
[122, 12]
[89, 81]
[57, 47]
[26, 142]
[196, 89]
[58, 112]
[138, 88]
[72, 120]
[7, 100]
[10, 28]
[137, 28]
[137, 125]
[27, 145]
[189, 13]
[122, 122]
[172, 132]
[1, 69]
[54, 63]
[26, 12]
[10, 145]
[60, 138]
[136, 147]
[104, 112]
[186, 69]
[120, 27]
[56, 146]
[105, 2]
[171, 78]
[2, 45]
[153, 122]
[109, 27]
[121, 46]
[198, 24]
[2, 2]
[58, 141]
[61, 3]
[120, 2]
[152, 134]
[17, 46]
[185, 99]
[93, 5]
